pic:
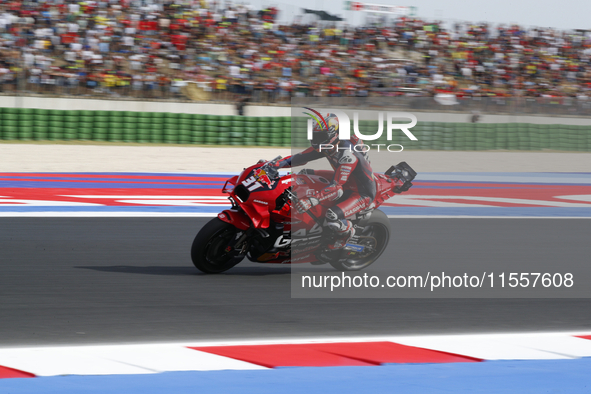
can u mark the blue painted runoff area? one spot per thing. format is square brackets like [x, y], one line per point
[506, 377]
[541, 178]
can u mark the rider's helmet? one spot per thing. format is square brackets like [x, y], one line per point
[326, 132]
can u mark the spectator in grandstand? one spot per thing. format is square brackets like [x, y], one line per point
[123, 49]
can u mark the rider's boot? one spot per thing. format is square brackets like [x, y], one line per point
[343, 231]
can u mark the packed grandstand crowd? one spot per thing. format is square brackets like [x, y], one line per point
[160, 50]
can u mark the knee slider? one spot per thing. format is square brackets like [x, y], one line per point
[331, 216]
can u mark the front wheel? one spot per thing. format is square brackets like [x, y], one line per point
[210, 252]
[374, 234]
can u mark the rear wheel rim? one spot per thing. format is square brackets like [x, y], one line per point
[380, 233]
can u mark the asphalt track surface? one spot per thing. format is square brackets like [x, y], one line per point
[106, 280]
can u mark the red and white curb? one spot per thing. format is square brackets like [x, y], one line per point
[260, 355]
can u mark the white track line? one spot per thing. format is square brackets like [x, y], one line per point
[116, 360]
[107, 214]
[211, 215]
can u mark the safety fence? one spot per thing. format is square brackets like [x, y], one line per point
[143, 127]
[182, 128]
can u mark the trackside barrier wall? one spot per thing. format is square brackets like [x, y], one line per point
[163, 127]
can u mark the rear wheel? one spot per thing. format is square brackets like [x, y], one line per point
[374, 237]
[209, 251]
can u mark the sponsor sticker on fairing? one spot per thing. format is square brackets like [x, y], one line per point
[261, 176]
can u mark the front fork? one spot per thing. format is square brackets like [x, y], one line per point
[240, 242]
[241, 222]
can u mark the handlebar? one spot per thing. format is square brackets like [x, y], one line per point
[275, 160]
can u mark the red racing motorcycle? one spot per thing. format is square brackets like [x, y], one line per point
[262, 226]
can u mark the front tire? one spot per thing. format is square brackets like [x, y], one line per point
[208, 250]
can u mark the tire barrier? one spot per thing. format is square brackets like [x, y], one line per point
[173, 128]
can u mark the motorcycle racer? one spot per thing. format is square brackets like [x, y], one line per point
[352, 188]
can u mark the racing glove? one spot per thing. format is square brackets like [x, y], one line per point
[306, 203]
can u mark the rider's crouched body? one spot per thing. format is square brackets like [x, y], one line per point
[353, 185]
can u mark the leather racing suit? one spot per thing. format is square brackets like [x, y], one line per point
[353, 185]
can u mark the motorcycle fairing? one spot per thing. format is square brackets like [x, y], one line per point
[256, 193]
[230, 184]
[236, 218]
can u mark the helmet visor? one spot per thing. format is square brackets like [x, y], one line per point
[319, 137]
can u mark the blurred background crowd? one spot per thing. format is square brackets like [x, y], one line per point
[200, 51]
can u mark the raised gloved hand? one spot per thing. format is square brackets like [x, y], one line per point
[306, 203]
[271, 170]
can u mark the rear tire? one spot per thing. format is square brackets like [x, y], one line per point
[208, 250]
[377, 226]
